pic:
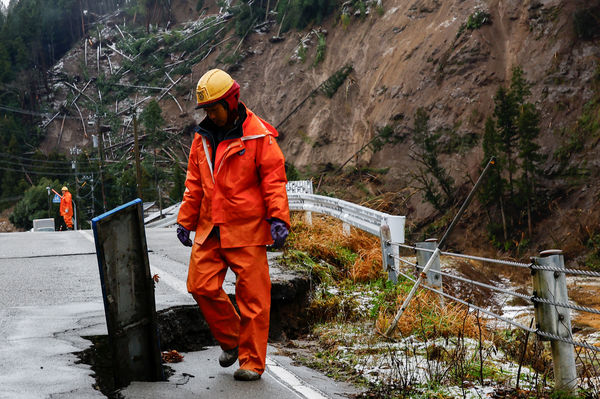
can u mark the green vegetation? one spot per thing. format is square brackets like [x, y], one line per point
[245, 17]
[331, 85]
[298, 14]
[586, 22]
[478, 19]
[592, 260]
[475, 21]
[36, 204]
[437, 351]
[321, 45]
[301, 52]
[510, 193]
[436, 183]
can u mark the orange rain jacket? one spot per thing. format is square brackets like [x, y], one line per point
[244, 187]
[66, 208]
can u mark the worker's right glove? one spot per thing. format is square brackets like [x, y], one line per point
[184, 236]
[279, 232]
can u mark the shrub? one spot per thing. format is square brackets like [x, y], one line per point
[587, 23]
[478, 19]
[34, 205]
[330, 86]
[300, 13]
[320, 49]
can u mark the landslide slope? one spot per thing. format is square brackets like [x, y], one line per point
[404, 55]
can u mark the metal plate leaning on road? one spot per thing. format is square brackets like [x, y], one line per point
[128, 292]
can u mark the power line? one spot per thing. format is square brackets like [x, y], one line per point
[43, 173]
[32, 113]
[41, 168]
[6, 155]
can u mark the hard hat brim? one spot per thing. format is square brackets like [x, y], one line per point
[233, 91]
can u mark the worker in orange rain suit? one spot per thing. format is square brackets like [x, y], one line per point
[236, 201]
[66, 207]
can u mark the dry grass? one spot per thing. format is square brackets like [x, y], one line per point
[428, 318]
[356, 256]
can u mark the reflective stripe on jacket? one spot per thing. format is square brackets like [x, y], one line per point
[244, 187]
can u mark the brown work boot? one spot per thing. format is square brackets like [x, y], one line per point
[228, 357]
[246, 375]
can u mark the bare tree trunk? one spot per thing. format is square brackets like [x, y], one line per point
[503, 219]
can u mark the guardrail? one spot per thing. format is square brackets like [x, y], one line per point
[389, 228]
[301, 198]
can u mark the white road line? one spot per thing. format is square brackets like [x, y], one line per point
[87, 234]
[281, 375]
[287, 378]
[170, 280]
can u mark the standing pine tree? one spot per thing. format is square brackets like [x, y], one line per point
[509, 194]
[530, 156]
[492, 190]
[153, 121]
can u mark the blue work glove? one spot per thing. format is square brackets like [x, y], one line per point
[184, 236]
[279, 232]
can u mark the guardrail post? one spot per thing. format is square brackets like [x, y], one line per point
[433, 279]
[391, 231]
[346, 229]
[552, 285]
[302, 186]
[387, 258]
[308, 218]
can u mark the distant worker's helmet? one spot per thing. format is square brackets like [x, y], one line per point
[64, 188]
[217, 86]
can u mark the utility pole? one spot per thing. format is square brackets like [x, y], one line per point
[101, 155]
[75, 152]
[93, 198]
[49, 203]
[138, 170]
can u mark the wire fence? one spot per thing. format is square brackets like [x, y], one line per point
[534, 300]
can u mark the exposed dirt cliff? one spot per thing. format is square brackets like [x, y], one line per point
[406, 55]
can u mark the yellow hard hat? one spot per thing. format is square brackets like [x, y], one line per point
[216, 85]
[64, 188]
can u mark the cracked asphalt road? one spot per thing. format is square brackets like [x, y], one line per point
[50, 298]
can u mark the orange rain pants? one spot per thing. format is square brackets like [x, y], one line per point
[66, 209]
[250, 329]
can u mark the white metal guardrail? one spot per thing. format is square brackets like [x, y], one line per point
[389, 228]
[358, 216]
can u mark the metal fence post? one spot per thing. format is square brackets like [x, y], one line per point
[301, 186]
[433, 279]
[552, 285]
[346, 229]
[387, 259]
[391, 231]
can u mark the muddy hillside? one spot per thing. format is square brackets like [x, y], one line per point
[345, 93]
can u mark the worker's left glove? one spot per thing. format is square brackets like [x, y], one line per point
[279, 232]
[184, 236]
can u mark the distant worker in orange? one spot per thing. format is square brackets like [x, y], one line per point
[66, 207]
[236, 202]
